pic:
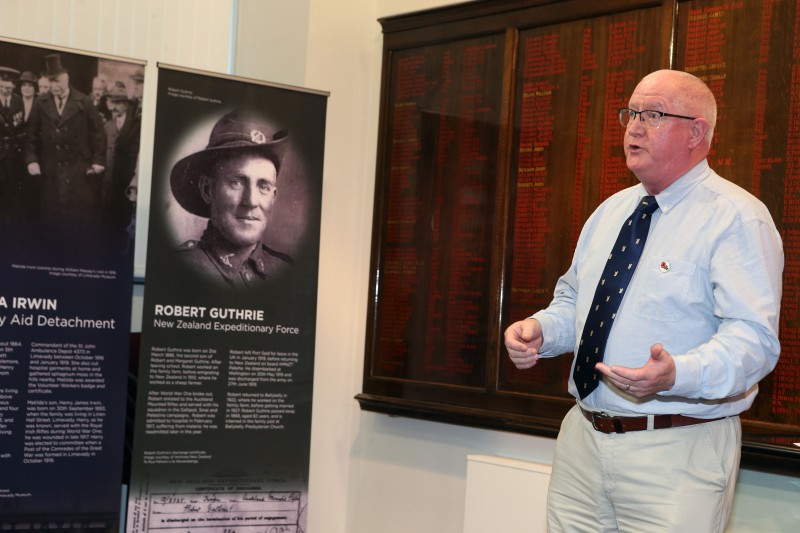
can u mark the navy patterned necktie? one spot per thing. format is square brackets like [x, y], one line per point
[617, 274]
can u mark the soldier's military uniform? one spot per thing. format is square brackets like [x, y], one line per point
[207, 256]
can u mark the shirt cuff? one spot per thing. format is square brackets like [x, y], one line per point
[551, 345]
[687, 378]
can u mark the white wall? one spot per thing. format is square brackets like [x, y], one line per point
[370, 473]
[279, 33]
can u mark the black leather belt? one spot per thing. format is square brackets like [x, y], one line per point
[622, 424]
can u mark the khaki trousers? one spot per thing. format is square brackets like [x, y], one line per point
[665, 480]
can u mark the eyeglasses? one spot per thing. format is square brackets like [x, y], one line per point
[648, 116]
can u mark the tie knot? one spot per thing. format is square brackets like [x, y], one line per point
[648, 205]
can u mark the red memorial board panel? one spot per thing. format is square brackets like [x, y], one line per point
[572, 79]
[749, 54]
[433, 286]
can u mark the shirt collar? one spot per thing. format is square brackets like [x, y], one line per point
[672, 195]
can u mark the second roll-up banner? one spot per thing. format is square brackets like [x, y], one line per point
[223, 421]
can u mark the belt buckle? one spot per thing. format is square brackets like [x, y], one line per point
[595, 416]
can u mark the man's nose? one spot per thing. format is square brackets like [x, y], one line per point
[635, 126]
[248, 195]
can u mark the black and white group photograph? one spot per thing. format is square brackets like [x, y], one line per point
[69, 145]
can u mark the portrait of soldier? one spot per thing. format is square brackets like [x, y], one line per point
[233, 183]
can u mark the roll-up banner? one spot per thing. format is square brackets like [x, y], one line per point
[223, 411]
[69, 143]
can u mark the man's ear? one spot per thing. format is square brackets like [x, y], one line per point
[205, 188]
[699, 128]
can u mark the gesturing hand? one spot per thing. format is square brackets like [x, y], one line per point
[657, 375]
[523, 340]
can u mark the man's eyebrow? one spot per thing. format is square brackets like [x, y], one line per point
[230, 174]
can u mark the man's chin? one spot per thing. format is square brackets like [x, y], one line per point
[245, 234]
[635, 164]
[243, 241]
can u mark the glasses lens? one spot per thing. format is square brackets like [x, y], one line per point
[653, 118]
[625, 117]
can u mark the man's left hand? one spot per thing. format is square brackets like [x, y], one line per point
[657, 375]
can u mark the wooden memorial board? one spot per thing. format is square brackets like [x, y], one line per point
[498, 138]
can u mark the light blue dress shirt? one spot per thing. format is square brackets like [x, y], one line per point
[708, 287]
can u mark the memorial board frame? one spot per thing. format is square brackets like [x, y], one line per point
[494, 112]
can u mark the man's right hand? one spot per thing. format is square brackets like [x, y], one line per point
[34, 170]
[523, 340]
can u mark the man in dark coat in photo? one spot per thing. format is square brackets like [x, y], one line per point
[12, 134]
[66, 152]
